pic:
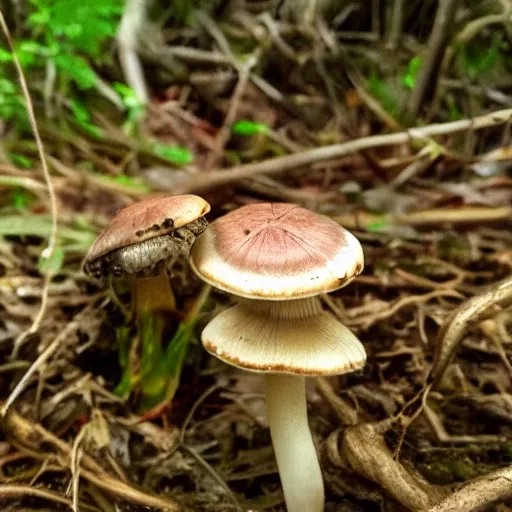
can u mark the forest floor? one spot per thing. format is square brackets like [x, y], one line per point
[245, 106]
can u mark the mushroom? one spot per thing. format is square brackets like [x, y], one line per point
[141, 237]
[141, 241]
[277, 258]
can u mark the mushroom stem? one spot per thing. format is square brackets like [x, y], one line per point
[154, 305]
[153, 293]
[297, 460]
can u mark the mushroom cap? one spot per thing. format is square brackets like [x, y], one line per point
[276, 251]
[147, 219]
[307, 345]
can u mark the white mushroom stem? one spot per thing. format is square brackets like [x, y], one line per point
[297, 460]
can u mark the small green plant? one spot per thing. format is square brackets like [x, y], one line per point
[248, 128]
[20, 199]
[478, 58]
[67, 36]
[83, 118]
[174, 154]
[411, 74]
[383, 92]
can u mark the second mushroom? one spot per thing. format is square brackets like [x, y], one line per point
[141, 242]
[277, 259]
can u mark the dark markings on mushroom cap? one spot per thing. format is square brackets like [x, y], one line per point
[126, 242]
[276, 251]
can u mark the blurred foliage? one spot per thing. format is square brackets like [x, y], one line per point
[411, 74]
[246, 127]
[174, 154]
[381, 89]
[477, 58]
[64, 39]
[182, 11]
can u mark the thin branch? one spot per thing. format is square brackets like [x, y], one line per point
[218, 177]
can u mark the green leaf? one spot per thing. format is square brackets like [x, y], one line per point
[123, 336]
[20, 198]
[54, 263]
[40, 225]
[83, 118]
[132, 104]
[246, 127]
[84, 24]
[175, 154]
[411, 75]
[20, 160]
[383, 92]
[5, 56]
[453, 109]
[12, 104]
[128, 96]
[126, 181]
[127, 383]
[27, 46]
[478, 58]
[39, 17]
[80, 111]
[7, 86]
[78, 70]
[378, 225]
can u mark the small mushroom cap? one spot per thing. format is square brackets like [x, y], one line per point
[276, 251]
[147, 219]
[308, 345]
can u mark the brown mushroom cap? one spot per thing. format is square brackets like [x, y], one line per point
[276, 251]
[147, 219]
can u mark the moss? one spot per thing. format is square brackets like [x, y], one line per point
[463, 469]
[438, 473]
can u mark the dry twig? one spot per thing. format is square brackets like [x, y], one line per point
[218, 177]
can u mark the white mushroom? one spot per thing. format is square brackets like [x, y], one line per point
[278, 258]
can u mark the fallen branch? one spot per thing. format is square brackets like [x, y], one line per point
[218, 177]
